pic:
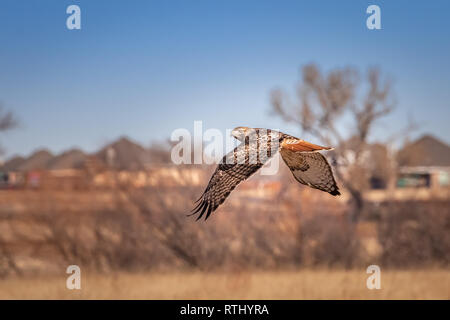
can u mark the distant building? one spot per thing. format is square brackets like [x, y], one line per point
[424, 163]
[422, 173]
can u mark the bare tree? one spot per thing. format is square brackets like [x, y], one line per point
[324, 102]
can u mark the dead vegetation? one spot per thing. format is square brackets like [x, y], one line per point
[140, 230]
[233, 284]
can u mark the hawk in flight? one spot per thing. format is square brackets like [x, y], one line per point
[258, 145]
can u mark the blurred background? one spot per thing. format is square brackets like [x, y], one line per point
[86, 176]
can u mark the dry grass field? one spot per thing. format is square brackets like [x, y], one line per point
[305, 284]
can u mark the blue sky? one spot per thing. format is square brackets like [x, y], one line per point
[145, 68]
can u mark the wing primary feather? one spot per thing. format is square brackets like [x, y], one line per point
[208, 213]
[195, 210]
[204, 207]
[199, 198]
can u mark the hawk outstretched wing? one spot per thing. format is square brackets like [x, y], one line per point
[234, 168]
[309, 167]
[223, 181]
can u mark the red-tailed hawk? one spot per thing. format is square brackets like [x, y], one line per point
[258, 145]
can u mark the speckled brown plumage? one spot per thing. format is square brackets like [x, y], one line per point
[311, 169]
[258, 145]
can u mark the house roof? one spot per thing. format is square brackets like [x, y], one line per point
[38, 160]
[128, 155]
[426, 151]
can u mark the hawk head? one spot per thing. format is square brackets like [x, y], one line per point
[241, 132]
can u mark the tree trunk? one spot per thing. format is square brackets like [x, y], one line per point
[357, 204]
